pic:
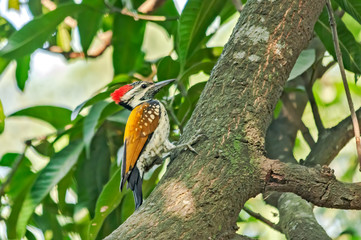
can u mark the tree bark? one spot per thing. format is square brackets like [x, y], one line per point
[200, 196]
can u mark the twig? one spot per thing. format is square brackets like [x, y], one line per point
[262, 219]
[355, 123]
[150, 6]
[15, 167]
[71, 22]
[297, 120]
[311, 98]
[105, 38]
[138, 16]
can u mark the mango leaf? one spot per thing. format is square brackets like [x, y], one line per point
[91, 122]
[352, 7]
[15, 210]
[58, 166]
[26, 40]
[90, 101]
[168, 9]
[206, 67]
[2, 118]
[194, 21]
[167, 69]
[108, 200]
[56, 116]
[22, 174]
[350, 48]
[120, 116]
[187, 107]
[304, 61]
[6, 28]
[22, 71]
[127, 43]
[45, 148]
[93, 173]
[89, 22]
[3, 64]
[35, 7]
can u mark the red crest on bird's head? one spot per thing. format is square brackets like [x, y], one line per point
[119, 93]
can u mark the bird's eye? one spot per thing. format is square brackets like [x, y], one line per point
[144, 85]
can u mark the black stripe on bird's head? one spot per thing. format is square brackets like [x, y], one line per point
[135, 93]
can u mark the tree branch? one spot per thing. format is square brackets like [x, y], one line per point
[296, 217]
[319, 187]
[234, 110]
[355, 123]
[298, 121]
[311, 98]
[330, 142]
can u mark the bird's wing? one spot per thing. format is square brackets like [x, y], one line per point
[142, 122]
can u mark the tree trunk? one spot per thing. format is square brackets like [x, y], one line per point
[200, 196]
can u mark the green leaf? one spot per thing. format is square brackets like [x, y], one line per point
[93, 173]
[196, 68]
[26, 40]
[194, 21]
[352, 7]
[57, 168]
[186, 108]
[90, 101]
[127, 43]
[89, 22]
[168, 9]
[35, 7]
[56, 116]
[6, 29]
[108, 200]
[45, 148]
[3, 64]
[304, 61]
[22, 175]
[120, 116]
[22, 71]
[350, 48]
[167, 69]
[2, 118]
[91, 122]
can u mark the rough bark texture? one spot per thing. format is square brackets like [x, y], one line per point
[296, 218]
[331, 141]
[301, 224]
[318, 186]
[200, 196]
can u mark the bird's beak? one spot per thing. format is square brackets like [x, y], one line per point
[159, 85]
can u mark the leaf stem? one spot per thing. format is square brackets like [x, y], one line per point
[343, 75]
[137, 16]
[15, 167]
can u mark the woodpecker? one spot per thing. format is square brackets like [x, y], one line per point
[146, 133]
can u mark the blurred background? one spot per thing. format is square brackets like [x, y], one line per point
[57, 81]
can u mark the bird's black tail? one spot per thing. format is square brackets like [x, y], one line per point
[135, 184]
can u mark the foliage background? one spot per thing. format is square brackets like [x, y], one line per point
[85, 199]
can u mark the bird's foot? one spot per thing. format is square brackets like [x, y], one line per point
[192, 141]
